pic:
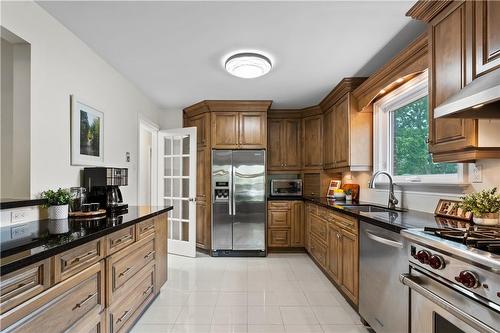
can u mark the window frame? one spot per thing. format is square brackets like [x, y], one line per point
[383, 133]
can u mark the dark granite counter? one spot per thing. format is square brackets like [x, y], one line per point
[7, 203]
[394, 220]
[27, 243]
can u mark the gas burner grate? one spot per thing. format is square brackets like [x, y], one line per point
[485, 238]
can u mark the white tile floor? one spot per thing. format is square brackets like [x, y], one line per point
[280, 293]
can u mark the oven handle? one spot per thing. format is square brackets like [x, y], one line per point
[407, 280]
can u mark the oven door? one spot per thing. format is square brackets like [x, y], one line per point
[436, 307]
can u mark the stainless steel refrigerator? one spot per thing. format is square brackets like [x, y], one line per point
[238, 203]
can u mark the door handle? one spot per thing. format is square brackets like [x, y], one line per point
[192, 199]
[410, 282]
[384, 240]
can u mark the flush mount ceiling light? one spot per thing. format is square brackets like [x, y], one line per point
[248, 65]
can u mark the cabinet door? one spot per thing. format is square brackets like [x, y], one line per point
[487, 26]
[202, 124]
[447, 76]
[279, 218]
[312, 142]
[334, 260]
[350, 258]
[291, 144]
[202, 173]
[225, 130]
[341, 133]
[278, 238]
[253, 133]
[202, 225]
[297, 230]
[274, 153]
[328, 140]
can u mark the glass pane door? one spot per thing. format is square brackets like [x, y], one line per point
[177, 187]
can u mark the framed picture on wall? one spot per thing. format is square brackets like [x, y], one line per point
[87, 134]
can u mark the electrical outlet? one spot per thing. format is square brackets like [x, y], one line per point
[20, 215]
[127, 157]
[19, 231]
[477, 173]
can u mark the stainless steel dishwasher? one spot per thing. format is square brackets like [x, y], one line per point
[383, 300]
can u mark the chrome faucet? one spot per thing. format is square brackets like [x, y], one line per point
[392, 198]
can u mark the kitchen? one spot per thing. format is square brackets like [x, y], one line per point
[262, 239]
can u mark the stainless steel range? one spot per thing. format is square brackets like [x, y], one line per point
[454, 279]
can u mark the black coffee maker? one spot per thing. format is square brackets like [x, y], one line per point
[102, 186]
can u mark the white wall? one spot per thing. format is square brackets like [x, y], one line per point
[425, 200]
[171, 119]
[61, 65]
[15, 134]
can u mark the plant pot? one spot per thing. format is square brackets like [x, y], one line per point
[60, 226]
[58, 212]
[487, 219]
[348, 197]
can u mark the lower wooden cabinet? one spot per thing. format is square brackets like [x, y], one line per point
[285, 224]
[101, 286]
[332, 240]
[62, 306]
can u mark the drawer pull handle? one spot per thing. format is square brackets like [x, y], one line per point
[123, 316]
[147, 291]
[79, 305]
[77, 259]
[149, 255]
[119, 240]
[152, 226]
[125, 272]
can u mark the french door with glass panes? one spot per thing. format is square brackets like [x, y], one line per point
[177, 188]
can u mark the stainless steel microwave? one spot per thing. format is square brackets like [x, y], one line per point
[286, 187]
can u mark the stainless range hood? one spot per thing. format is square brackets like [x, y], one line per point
[479, 99]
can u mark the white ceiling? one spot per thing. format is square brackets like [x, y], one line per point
[173, 51]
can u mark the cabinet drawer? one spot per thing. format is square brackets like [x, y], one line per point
[75, 260]
[318, 250]
[123, 265]
[145, 228]
[312, 209]
[122, 313]
[21, 285]
[278, 218]
[278, 237]
[60, 307]
[346, 222]
[93, 322]
[279, 205]
[319, 228]
[120, 239]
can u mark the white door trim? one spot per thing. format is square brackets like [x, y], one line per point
[153, 129]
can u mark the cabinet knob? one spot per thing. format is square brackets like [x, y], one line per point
[427, 140]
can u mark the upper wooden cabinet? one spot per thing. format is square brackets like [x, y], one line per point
[347, 133]
[225, 131]
[252, 130]
[202, 124]
[239, 130]
[312, 133]
[284, 144]
[464, 44]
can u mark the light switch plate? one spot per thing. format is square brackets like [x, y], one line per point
[477, 173]
[20, 215]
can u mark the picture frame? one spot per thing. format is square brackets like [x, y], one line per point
[87, 134]
[334, 185]
[451, 209]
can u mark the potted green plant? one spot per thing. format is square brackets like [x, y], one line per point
[57, 203]
[348, 195]
[484, 205]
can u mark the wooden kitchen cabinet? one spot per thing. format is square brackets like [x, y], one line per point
[332, 240]
[285, 224]
[464, 45]
[225, 131]
[252, 130]
[329, 139]
[202, 124]
[284, 144]
[341, 133]
[334, 262]
[313, 142]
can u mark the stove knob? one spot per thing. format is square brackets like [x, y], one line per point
[436, 262]
[423, 256]
[468, 279]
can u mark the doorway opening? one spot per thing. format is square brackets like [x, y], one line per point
[148, 164]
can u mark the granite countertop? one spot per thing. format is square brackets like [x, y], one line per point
[284, 197]
[26, 243]
[394, 220]
[8, 203]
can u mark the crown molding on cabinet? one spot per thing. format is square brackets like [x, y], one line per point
[347, 84]
[226, 105]
[426, 10]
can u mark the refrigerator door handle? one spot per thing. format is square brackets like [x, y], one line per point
[230, 194]
[233, 200]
